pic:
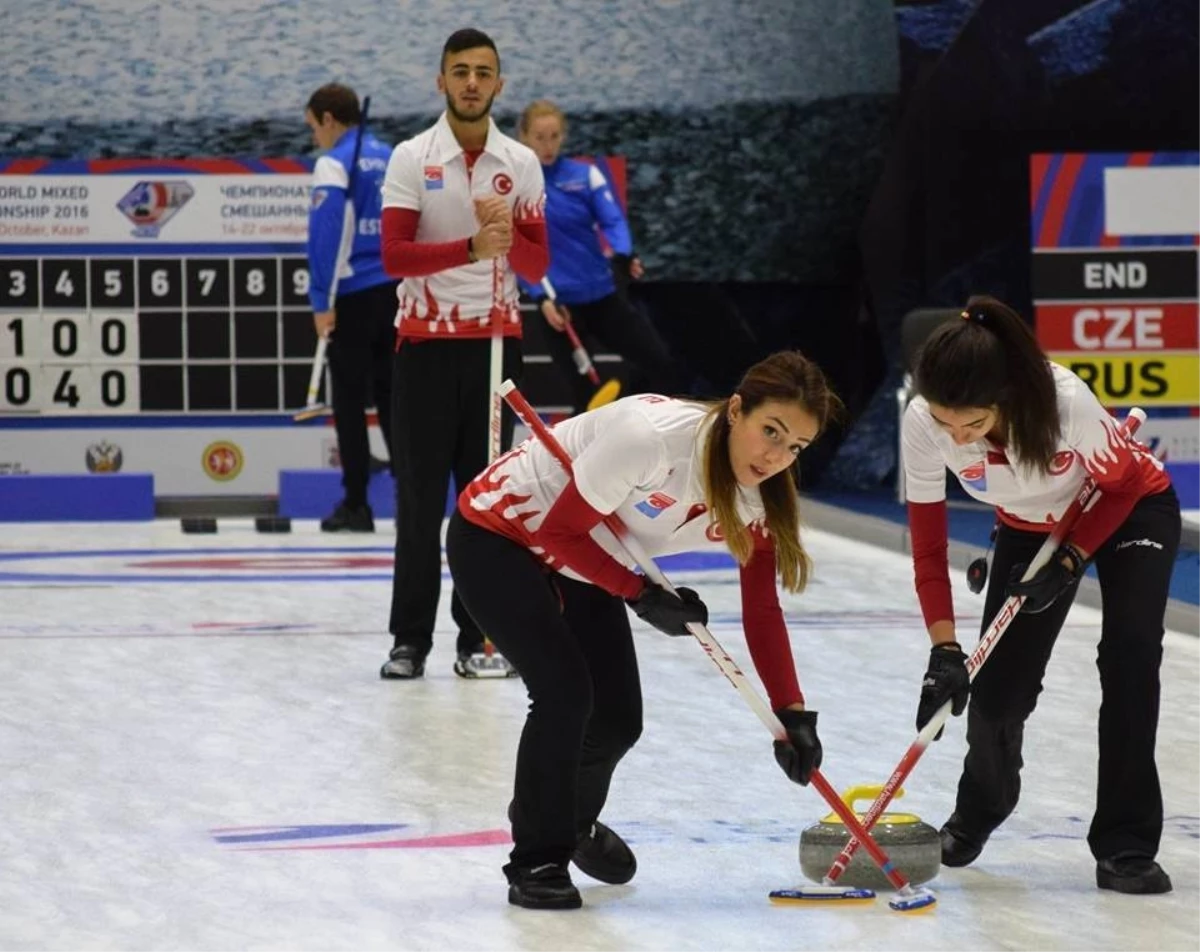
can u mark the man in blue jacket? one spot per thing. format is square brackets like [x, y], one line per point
[353, 299]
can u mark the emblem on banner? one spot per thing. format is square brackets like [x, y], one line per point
[104, 457]
[150, 205]
[222, 461]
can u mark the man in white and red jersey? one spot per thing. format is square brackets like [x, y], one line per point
[550, 586]
[463, 209]
[1022, 434]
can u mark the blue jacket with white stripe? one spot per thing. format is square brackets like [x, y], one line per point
[579, 199]
[343, 237]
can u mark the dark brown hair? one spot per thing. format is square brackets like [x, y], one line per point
[468, 39]
[988, 359]
[787, 377]
[339, 101]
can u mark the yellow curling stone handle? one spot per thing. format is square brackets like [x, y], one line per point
[870, 792]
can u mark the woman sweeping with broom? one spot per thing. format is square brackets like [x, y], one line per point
[584, 293]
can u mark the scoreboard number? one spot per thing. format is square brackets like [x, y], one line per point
[64, 338]
[13, 343]
[18, 388]
[64, 284]
[114, 337]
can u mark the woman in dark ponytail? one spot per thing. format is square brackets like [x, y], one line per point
[1022, 434]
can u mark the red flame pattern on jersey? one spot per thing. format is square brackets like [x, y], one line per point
[429, 321]
[531, 210]
[504, 514]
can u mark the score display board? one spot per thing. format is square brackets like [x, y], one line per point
[1115, 262]
[154, 317]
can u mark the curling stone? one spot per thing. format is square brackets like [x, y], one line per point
[911, 844]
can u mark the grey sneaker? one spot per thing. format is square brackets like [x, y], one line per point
[404, 662]
[480, 664]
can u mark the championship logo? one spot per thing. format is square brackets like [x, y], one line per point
[103, 457]
[150, 205]
[222, 461]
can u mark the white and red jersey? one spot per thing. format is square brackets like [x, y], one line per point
[430, 174]
[1090, 445]
[641, 458]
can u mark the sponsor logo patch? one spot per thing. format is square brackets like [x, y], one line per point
[974, 476]
[654, 505]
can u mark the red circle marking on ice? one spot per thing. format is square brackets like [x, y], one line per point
[303, 563]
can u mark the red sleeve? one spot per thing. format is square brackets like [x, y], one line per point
[766, 633]
[564, 535]
[530, 251]
[403, 257]
[1121, 485]
[931, 561]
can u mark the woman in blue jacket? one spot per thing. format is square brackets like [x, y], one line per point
[580, 206]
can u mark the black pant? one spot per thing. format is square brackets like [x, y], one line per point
[441, 412]
[360, 368]
[1134, 570]
[571, 643]
[618, 327]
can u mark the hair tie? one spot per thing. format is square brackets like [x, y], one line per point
[977, 317]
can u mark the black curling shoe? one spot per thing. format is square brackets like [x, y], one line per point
[1132, 873]
[547, 886]
[960, 847]
[605, 856]
[347, 518]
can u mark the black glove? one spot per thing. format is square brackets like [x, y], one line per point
[800, 754]
[1050, 581]
[669, 612]
[945, 680]
[620, 269]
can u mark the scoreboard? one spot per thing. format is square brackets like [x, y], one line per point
[85, 335]
[1115, 241]
[154, 316]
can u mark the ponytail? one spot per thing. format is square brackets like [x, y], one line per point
[991, 359]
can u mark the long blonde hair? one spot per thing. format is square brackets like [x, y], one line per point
[787, 377]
